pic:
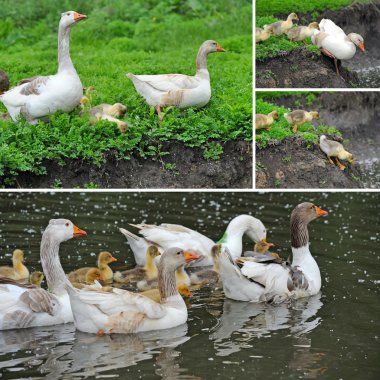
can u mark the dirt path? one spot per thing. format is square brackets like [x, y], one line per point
[191, 170]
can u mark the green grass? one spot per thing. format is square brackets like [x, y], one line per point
[281, 129]
[143, 37]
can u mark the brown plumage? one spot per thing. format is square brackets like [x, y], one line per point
[4, 82]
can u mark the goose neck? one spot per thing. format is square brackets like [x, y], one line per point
[202, 59]
[167, 284]
[64, 59]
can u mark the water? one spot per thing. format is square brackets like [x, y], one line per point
[334, 335]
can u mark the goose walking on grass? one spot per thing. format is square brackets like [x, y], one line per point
[113, 310]
[250, 280]
[168, 235]
[25, 306]
[265, 121]
[182, 91]
[336, 150]
[40, 96]
[298, 117]
[334, 42]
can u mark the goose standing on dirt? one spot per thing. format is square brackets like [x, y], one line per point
[298, 117]
[281, 27]
[182, 91]
[18, 271]
[169, 235]
[119, 311]
[25, 306]
[41, 96]
[262, 34]
[335, 149]
[265, 121]
[272, 282]
[4, 82]
[334, 42]
[300, 33]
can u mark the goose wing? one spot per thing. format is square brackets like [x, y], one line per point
[331, 28]
[169, 82]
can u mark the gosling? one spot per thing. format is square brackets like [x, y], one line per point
[335, 149]
[263, 34]
[281, 27]
[265, 121]
[300, 33]
[298, 117]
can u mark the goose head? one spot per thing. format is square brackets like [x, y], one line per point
[307, 212]
[274, 114]
[174, 258]
[262, 246]
[62, 230]
[153, 252]
[293, 16]
[313, 25]
[245, 224]
[268, 29]
[70, 17]
[211, 46]
[36, 278]
[18, 256]
[314, 114]
[105, 258]
[358, 40]
[93, 275]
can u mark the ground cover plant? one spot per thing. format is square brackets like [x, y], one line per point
[281, 129]
[143, 37]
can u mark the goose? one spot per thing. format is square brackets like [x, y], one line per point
[182, 91]
[300, 33]
[262, 254]
[280, 27]
[4, 82]
[271, 282]
[36, 278]
[335, 149]
[265, 121]
[104, 258]
[40, 96]
[262, 34]
[298, 117]
[19, 271]
[25, 306]
[149, 271]
[168, 235]
[120, 311]
[334, 42]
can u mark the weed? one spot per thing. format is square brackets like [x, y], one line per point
[213, 151]
[277, 183]
[286, 159]
[260, 167]
[57, 184]
[91, 185]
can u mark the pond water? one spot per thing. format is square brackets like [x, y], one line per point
[334, 335]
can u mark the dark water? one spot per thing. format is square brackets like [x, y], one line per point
[331, 336]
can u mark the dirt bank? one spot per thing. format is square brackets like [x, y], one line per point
[302, 69]
[295, 163]
[232, 170]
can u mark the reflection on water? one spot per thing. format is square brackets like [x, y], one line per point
[329, 336]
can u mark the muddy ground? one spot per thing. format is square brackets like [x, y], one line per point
[232, 170]
[295, 163]
[302, 69]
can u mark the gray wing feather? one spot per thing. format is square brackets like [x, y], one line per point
[34, 85]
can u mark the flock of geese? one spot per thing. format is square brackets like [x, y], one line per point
[88, 298]
[329, 37]
[38, 97]
[333, 149]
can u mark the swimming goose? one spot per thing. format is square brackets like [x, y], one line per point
[182, 91]
[272, 282]
[19, 271]
[120, 311]
[104, 258]
[4, 82]
[298, 117]
[262, 34]
[280, 27]
[335, 149]
[170, 235]
[41, 96]
[148, 271]
[334, 42]
[300, 33]
[25, 306]
[265, 121]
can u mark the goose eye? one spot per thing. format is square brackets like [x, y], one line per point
[178, 253]
[67, 224]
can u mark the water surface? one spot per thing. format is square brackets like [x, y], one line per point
[334, 335]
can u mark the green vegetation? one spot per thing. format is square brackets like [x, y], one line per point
[121, 36]
[281, 129]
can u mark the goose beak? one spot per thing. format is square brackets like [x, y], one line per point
[113, 259]
[79, 17]
[190, 256]
[320, 212]
[361, 46]
[219, 48]
[77, 232]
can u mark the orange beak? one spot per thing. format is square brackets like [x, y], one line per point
[190, 256]
[113, 259]
[361, 46]
[78, 232]
[219, 48]
[320, 212]
[270, 244]
[79, 17]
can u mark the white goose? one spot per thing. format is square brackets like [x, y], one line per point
[113, 310]
[28, 306]
[334, 42]
[182, 91]
[169, 235]
[272, 282]
[41, 96]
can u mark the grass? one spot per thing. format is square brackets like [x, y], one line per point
[281, 129]
[143, 37]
